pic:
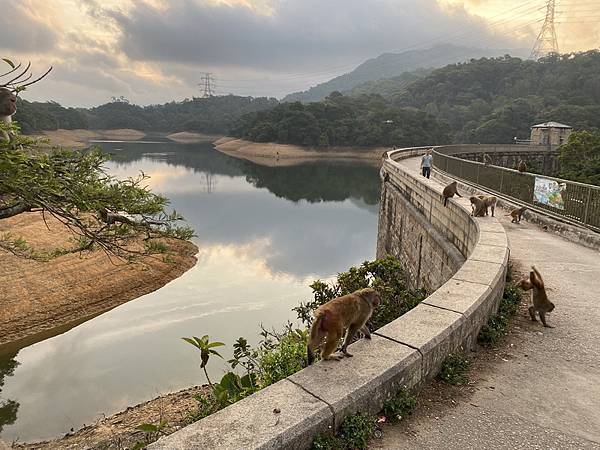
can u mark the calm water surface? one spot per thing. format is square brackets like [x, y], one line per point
[263, 235]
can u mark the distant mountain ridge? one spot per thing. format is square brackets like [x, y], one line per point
[390, 65]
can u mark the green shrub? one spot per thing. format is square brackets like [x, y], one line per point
[328, 442]
[454, 369]
[156, 247]
[284, 359]
[496, 327]
[206, 406]
[232, 388]
[354, 434]
[356, 430]
[399, 406]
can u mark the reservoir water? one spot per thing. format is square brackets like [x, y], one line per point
[263, 233]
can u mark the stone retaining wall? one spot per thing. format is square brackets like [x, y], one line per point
[465, 257]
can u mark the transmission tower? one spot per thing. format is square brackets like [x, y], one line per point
[207, 84]
[546, 42]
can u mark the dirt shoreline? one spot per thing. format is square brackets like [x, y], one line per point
[277, 155]
[78, 139]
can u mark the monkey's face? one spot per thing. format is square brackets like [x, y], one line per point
[8, 102]
[374, 297]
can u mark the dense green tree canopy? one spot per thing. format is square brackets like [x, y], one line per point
[211, 115]
[494, 100]
[340, 120]
[580, 158]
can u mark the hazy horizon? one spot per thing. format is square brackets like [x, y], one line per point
[155, 51]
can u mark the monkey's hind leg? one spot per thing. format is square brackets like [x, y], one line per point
[330, 345]
[313, 343]
[365, 330]
[352, 329]
[543, 319]
[532, 313]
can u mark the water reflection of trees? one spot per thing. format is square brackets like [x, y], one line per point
[8, 408]
[314, 182]
[319, 181]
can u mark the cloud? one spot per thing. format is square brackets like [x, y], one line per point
[293, 36]
[24, 32]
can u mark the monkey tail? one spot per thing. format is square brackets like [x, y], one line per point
[315, 332]
[310, 355]
[537, 280]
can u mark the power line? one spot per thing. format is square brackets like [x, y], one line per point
[546, 42]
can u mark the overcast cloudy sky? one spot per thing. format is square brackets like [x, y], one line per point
[153, 51]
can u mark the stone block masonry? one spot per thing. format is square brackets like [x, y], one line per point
[461, 260]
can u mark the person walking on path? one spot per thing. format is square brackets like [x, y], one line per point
[426, 161]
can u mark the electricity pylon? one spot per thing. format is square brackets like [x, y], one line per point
[546, 42]
[207, 84]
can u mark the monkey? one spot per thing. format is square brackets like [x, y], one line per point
[477, 206]
[522, 167]
[349, 311]
[450, 191]
[539, 299]
[8, 106]
[517, 214]
[490, 202]
[9, 88]
[486, 159]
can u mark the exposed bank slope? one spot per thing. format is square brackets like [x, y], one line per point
[271, 154]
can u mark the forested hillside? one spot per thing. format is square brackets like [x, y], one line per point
[389, 87]
[212, 115]
[390, 65]
[34, 116]
[342, 121]
[493, 100]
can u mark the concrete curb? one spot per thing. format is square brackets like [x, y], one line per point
[402, 354]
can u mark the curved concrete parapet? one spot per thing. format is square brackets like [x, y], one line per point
[469, 257]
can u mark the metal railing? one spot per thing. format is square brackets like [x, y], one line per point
[574, 202]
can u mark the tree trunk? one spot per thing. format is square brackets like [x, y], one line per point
[13, 210]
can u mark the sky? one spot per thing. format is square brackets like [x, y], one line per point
[155, 51]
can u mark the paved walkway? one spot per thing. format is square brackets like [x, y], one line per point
[543, 389]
